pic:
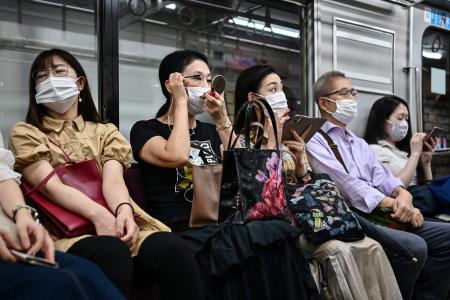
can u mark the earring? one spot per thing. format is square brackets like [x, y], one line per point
[79, 99]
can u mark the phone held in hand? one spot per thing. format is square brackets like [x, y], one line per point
[34, 260]
[301, 124]
[433, 133]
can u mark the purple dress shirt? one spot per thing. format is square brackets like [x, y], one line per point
[368, 180]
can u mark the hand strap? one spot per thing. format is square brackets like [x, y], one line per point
[333, 148]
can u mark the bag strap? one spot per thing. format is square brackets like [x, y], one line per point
[38, 186]
[245, 112]
[53, 172]
[248, 106]
[333, 148]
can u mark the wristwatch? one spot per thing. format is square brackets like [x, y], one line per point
[33, 212]
[225, 125]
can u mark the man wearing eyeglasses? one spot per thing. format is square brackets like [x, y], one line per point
[367, 185]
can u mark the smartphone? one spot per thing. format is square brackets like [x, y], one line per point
[301, 124]
[34, 260]
[432, 134]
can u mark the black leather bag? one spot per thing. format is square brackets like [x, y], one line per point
[253, 180]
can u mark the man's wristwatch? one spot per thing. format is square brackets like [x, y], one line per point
[33, 212]
[225, 125]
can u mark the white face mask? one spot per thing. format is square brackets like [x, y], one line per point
[196, 99]
[57, 93]
[398, 130]
[277, 102]
[346, 110]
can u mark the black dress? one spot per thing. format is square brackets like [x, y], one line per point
[256, 260]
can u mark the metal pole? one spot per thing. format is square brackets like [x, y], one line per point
[108, 60]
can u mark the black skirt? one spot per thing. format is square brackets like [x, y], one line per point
[258, 260]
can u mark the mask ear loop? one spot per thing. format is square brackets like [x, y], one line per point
[79, 90]
[329, 99]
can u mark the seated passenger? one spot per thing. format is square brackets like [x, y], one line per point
[75, 278]
[257, 260]
[62, 120]
[368, 184]
[388, 132]
[355, 270]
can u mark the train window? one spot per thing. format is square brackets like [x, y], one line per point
[373, 71]
[435, 64]
[27, 28]
[233, 34]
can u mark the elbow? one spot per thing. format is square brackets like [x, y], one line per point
[180, 161]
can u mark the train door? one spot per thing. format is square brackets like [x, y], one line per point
[430, 51]
[367, 40]
[430, 75]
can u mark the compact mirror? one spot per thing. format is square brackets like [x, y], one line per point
[218, 84]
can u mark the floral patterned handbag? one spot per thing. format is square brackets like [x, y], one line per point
[253, 180]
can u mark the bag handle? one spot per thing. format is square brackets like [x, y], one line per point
[245, 107]
[263, 106]
[38, 186]
[333, 148]
[53, 172]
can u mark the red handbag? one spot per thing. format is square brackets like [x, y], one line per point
[83, 176]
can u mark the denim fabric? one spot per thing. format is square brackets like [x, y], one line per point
[76, 278]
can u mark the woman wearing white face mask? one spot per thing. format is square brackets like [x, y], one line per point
[236, 260]
[262, 82]
[57, 126]
[388, 132]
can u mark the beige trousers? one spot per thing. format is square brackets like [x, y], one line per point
[355, 270]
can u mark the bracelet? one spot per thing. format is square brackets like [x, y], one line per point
[123, 203]
[225, 125]
[33, 212]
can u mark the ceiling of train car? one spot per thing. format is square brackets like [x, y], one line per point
[262, 21]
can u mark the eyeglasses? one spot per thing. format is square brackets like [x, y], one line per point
[57, 70]
[198, 77]
[344, 92]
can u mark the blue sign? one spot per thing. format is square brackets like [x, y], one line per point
[437, 17]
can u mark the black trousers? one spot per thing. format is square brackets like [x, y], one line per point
[163, 258]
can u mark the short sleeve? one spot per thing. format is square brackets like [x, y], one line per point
[115, 147]
[381, 154]
[6, 164]
[28, 145]
[140, 133]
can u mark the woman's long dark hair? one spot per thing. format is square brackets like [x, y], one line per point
[36, 112]
[175, 62]
[380, 112]
[249, 81]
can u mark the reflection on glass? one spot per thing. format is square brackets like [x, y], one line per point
[233, 38]
[34, 26]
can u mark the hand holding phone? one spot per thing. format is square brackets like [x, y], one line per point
[432, 134]
[33, 260]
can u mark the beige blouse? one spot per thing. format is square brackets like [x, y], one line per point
[394, 158]
[80, 140]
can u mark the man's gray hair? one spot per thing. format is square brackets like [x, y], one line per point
[323, 86]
